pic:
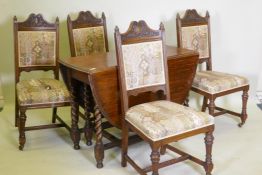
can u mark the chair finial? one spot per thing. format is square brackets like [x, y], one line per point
[162, 26]
[207, 14]
[57, 20]
[15, 19]
[116, 29]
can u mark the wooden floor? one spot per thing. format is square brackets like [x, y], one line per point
[237, 151]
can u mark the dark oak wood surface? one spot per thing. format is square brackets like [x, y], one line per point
[100, 72]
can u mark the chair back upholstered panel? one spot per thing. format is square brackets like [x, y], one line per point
[87, 34]
[143, 64]
[89, 40]
[36, 48]
[196, 38]
[36, 44]
[141, 61]
[193, 32]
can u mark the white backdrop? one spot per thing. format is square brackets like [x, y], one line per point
[236, 29]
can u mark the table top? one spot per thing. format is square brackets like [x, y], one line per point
[105, 61]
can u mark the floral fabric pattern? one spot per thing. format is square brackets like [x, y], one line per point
[38, 91]
[36, 48]
[214, 82]
[162, 119]
[196, 38]
[89, 40]
[143, 64]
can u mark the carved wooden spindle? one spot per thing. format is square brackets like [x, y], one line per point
[244, 107]
[211, 106]
[88, 127]
[155, 158]
[204, 105]
[124, 144]
[99, 147]
[22, 120]
[16, 113]
[209, 138]
[75, 133]
[54, 115]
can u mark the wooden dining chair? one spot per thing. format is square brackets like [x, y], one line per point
[193, 32]
[36, 45]
[87, 35]
[142, 68]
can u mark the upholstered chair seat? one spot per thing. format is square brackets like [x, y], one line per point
[162, 119]
[41, 91]
[215, 82]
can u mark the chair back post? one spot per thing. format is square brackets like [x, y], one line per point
[191, 19]
[17, 72]
[70, 35]
[105, 31]
[56, 71]
[138, 34]
[35, 23]
[84, 20]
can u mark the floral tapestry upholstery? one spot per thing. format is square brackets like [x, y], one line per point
[215, 82]
[89, 40]
[36, 48]
[40, 91]
[196, 38]
[1, 96]
[143, 64]
[163, 119]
